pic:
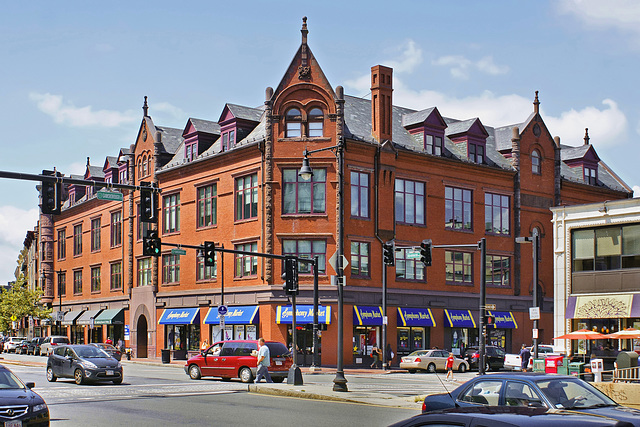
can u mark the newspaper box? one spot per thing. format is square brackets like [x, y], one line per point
[597, 367]
[552, 363]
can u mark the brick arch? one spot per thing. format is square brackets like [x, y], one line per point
[295, 94]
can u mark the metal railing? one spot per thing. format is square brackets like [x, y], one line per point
[626, 374]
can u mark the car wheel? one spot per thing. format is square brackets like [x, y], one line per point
[487, 367]
[278, 379]
[118, 381]
[78, 376]
[431, 368]
[246, 376]
[412, 371]
[462, 368]
[51, 377]
[194, 372]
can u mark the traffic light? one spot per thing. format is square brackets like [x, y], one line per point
[147, 204]
[490, 321]
[290, 276]
[388, 253]
[209, 254]
[51, 195]
[425, 252]
[151, 244]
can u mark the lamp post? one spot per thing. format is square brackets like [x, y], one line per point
[339, 382]
[60, 285]
[535, 239]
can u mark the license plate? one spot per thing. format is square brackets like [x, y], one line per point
[17, 423]
[109, 372]
[279, 363]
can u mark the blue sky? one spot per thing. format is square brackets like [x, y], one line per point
[74, 73]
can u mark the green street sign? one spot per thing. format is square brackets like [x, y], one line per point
[413, 254]
[110, 195]
[178, 252]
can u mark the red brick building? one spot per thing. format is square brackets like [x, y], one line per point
[408, 175]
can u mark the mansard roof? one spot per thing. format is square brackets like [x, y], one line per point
[171, 139]
[204, 126]
[94, 172]
[244, 113]
[110, 162]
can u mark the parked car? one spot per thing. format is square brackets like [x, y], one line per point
[509, 417]
[513, 362]
[47, 346]
[494, 357]
[22, 347]
[431, 361]
[12, 343]
[238, 359]
[532, 389]
[19, 404]
[109, 349]
[83, 362]
[34, 345]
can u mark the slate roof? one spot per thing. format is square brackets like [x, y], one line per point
[205, 126]
[246, 113]
[171, 139]
[95, 172]
[417, 117]
[111, 162]
[572, 153]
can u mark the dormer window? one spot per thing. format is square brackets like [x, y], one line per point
[535, 162]
[433, 144]
[316, 122]
[293, 120]
[228, 140]
[190, 151]
[476, 153]
[590, 175]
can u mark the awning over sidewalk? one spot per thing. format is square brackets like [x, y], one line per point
[367, 316]
[603, 306]
[415, 317]
[459, 319]
[114, 316]
[86, 317]
[304, 314]
[179, 316]
[504, 320]
[241, 315]
[70, 317]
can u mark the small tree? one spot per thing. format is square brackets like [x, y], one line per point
[21, 302]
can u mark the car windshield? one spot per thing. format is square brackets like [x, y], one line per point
[90, 352]
[419, 353]
[8, 380]
[566, 393]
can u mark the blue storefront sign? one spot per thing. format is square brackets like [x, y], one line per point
[459, 319]
[415, 317]
[304, 314]
[241, 315]
[504, 320]
[180, 316]
[367, 316]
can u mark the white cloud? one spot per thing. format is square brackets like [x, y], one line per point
[410, 58]
[14, 224]
[620, 14]
[171, 110]
[461, 67]
[68, 114]
[636, 191]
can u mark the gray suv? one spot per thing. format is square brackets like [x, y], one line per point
[49, 343]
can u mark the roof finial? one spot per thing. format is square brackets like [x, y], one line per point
[304, 71]
[88, 164]
[304, 30]
[586, 136]
[145, 108]
[536, 104]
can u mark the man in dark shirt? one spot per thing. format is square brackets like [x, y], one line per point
[525, 355]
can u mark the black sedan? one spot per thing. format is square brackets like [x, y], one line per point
[83, 363]
[510, 417]
[532, 389]
[494, 357]
[19, 405]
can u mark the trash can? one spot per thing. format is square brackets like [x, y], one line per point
[576, 368]
[627, 359]
[563, 369]
[597, 366]
[166, 355]
[551, 364]
[538, 365]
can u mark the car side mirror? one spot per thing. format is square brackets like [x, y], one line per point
[536, 405]
[30, 385]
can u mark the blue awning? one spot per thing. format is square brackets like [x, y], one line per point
[179, 316]
[459, 319]
[415, 317]
[367, 316]
[241, 315]
[504, 319]
[304, 314]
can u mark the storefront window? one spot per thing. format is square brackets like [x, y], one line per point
[364, 339]
[412, 339]
[182, 337]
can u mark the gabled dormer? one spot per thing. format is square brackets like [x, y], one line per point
[427, 127]
[110, 170]
[124, 157]
[198, 136]
[93, 173]
[470, 138]
[76, 192]
[583, 160]
[236, 122]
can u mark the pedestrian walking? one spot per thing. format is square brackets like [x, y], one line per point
[390, 354]
[450, 367]
[375, 353]
[264, 360]
[525, 355]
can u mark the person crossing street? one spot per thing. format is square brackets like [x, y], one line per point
[264, 360]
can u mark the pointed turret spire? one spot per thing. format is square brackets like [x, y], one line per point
[88, 162]
[586, 136]
[304, 31]
[304, 70]
[536, 104]
[145, 108]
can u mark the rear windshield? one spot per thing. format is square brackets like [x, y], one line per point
[277, 349]
[64, 340]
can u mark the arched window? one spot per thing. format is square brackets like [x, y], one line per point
[144, 166]
[139, 168]
[293, 120]
[535, 162]
[149, 165]
[316, 122]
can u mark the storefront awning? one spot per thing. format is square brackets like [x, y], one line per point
[242, 315]
[114, 316]
[415, 317]
[70, 317]
[604, 306]
[179, 316]
[459, 319]
[304, 314]
[504, 320]
[85, 319]
[367, 316]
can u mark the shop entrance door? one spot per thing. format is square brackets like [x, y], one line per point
[141, 338]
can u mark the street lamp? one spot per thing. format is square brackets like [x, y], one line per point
[339, 382]
[535, 239]
[60, 285]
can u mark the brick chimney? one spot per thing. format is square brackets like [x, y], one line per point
[381, 102]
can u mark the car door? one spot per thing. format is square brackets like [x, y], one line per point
[56, 360]
[224, 365]
[68, 362]
[210, 359]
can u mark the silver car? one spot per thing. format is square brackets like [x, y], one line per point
[47, 346]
